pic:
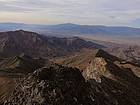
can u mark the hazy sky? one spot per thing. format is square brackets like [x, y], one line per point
[93, 12]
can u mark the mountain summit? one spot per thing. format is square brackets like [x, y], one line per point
[58, 85]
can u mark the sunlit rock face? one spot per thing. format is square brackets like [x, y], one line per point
[96, 68]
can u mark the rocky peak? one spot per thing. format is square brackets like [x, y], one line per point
[54, 85]
[58, 85]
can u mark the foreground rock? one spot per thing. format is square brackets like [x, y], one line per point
[52, 86]
[13, 69]
[58, 85]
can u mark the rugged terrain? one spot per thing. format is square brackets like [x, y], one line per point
[81, 60]
[13, 69]
[75, 72]
[104, 83]
[32, 44]
[128, 53]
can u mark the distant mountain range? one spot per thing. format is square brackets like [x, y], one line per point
[72, 29]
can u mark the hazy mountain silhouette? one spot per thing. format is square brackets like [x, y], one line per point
[69, 28]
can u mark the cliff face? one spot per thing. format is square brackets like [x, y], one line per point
[58, 85]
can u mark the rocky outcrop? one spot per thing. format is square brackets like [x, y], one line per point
[58, 85]
[55, 85]
[95, 69]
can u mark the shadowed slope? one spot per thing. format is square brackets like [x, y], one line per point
[13, 69]
[82, 58]
[15, 43]
[58, 85]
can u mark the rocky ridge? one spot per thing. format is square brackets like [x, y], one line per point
[30, 43]
[59, 85]
[55, 85]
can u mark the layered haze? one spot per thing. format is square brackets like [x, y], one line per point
[118, 34]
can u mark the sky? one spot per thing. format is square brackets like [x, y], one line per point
[86, 12]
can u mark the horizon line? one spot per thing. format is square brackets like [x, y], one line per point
[69, 23]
